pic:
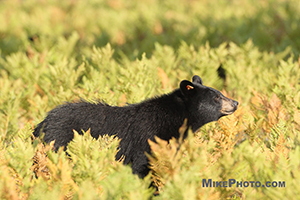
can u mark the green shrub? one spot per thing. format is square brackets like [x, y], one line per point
[127, 51]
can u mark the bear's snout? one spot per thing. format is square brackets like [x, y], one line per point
[228, 106]
[235, 103]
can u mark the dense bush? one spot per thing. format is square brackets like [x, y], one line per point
[127, 51]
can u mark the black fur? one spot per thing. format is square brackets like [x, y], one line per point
[136, 123]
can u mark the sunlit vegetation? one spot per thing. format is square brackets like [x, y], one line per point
[127, 51]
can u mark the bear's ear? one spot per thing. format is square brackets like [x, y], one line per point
[197, 79]
[187, 88]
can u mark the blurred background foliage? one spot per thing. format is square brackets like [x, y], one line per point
[126, 51]
[133, 27]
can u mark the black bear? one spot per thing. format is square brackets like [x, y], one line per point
[134, 124]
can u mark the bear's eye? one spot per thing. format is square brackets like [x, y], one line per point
[217, 98]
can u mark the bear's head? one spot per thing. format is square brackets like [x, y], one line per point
[205, 104]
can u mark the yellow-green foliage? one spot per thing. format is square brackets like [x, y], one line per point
[126, 51]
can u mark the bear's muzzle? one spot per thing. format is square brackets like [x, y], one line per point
[228, 106]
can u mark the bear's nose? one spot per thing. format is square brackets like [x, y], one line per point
[235, 103]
